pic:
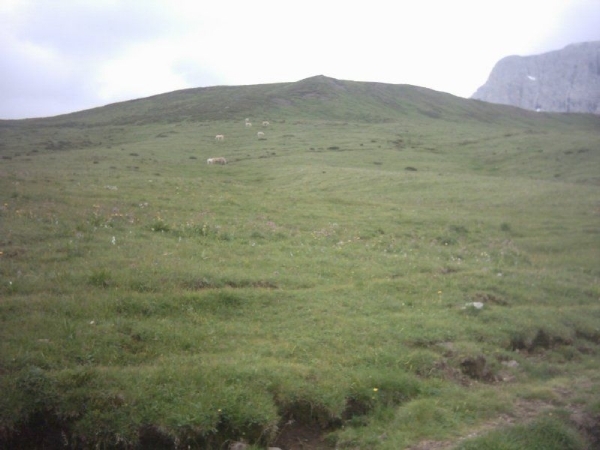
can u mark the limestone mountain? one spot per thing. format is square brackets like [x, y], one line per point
[566, 80]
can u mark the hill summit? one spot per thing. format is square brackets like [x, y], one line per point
[566, 80]
[315, 97]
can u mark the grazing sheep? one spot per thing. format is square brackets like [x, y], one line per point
[265, 124]
[260, 134]
[220, 160]
[219, 137]
[248, 124]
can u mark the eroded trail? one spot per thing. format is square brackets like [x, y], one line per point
[564, 402]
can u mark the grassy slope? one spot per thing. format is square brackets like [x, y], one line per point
[319, 277]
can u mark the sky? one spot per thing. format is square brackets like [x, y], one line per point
[62, 56]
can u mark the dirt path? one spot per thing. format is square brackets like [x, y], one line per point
[524, 412]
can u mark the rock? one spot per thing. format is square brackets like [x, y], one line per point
[566, 80]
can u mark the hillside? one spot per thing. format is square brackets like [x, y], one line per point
[317, 97]
[566, 80]
[465, 123]
[387, 267]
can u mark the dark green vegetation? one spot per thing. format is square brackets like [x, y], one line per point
[320, 289]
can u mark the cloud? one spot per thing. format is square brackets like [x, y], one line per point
[86, 30]
[142, 71]
[56, 55]
[65, 55]
[194, 73]
[39, 78]
[577, 21]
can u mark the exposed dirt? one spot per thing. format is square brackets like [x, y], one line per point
[301, 436]
[298, 436]
[306, 427]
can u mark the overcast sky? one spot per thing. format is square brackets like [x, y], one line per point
[60, 56]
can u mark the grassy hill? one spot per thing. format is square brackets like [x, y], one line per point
[389, 267]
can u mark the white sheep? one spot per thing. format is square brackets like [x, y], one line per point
[219, 137]
[248, 124]
[220, 160]
[260, 134]
[265, 124]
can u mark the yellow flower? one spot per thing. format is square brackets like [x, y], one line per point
[375, 389]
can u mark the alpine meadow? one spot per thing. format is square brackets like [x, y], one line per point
[384, 267]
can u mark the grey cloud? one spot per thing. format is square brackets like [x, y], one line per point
[53, 52]
[580, 23]
[26, 95]
[86, 30]
[50, 52]
[27, 85]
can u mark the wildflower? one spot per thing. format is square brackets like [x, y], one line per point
[114, 240]
[375, 389]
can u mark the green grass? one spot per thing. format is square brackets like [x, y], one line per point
[318, 281]
[545, 433]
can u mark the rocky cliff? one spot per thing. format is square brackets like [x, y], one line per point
[566, 80]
